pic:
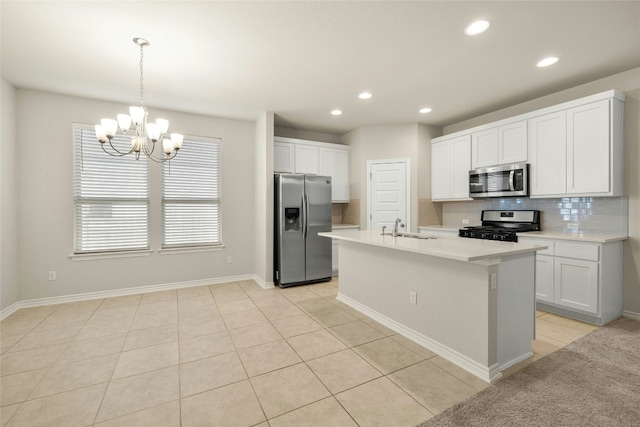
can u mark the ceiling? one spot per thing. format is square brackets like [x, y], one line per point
[301, 60]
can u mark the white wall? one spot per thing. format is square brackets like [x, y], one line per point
[306, 134]
[264, 199]
[9, 292]
[629, 83]
[45, 202]
[391, 142]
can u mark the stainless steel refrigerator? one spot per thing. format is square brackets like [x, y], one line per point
[302, 210]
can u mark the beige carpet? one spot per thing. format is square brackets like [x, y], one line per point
[594, 381]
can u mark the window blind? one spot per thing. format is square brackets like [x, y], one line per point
[191, 195]
[111, 196]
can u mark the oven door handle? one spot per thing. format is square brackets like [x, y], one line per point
[512, 176]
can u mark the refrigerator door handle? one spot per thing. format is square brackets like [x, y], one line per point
[304, 216]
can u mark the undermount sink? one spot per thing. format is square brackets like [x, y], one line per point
[410, 236]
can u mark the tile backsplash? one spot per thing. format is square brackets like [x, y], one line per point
[594, 215]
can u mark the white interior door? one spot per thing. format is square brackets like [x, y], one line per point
[388, 193]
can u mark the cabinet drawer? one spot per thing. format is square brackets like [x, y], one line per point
[540, 242]
[578, 251]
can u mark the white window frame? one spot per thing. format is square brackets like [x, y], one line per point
[203, 196]
[84, 155]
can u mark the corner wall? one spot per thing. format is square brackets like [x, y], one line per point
[263, 215]
[45, 202]
[412, 141]
[9, 291]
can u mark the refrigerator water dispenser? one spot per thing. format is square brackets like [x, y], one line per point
[291, 219]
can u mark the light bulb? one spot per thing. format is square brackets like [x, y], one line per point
[176, 140]
[110, 127]
[102, 137]
[124, 121]
[163, 125]
[153, 132]
[137, 115]
[167, 145]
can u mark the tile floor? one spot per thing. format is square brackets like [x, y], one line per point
[230, 354]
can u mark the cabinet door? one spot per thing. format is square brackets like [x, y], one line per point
[306, 160]
[460, 165]
[588, 149]
[544, 278]
[512, 143]
[484, 148]
[283, 157]
[548, 154]
[326, 161]
[441, 173]
[341, 176]
[576, 284]
[334, 256]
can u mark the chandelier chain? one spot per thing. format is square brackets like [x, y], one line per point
[141, 76]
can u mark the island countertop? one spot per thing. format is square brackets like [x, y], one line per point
[467, 250]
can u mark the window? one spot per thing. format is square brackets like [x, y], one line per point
[111, 196]
[191, 195]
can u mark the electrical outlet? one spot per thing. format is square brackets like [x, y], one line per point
[52, 275]
[465, 221]
[494, 280]
[413, 297]
[229, 259]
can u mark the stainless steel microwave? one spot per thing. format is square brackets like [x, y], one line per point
[500, 181]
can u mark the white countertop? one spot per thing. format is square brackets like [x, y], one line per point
[345, 227]
[555, 235]
[459, 249]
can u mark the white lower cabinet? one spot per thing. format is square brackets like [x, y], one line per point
[544, 278]
[576, 284]
[582, 280]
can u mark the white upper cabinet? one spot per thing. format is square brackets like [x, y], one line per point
[512, 143]
[574, 149]
[306, 160]
[450, 165]
[577, 151]
[334, 162]
[484, 148]
[283, 157]
[499, 145]
[588, 149]
[341, 191]
[315, 158]
[548, 154]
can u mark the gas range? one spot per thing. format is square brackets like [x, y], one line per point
[503, 225]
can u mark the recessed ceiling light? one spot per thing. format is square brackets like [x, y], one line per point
[365, 95]
[476, 28]
[336, 112]
[425, 110]
[547, 61]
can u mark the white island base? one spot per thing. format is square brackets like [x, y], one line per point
[478, 314]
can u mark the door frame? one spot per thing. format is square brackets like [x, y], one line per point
[407, 180]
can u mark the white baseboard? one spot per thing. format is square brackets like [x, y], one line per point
[631, 314]
[489, 374]
[262, 283]
[128, 291]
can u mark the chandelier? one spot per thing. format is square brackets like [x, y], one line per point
[147, 134]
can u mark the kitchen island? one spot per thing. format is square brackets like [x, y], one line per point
[470, 301]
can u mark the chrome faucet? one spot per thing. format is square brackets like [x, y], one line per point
[397, 222]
